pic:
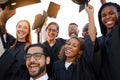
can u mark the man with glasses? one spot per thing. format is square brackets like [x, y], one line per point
[36, 62]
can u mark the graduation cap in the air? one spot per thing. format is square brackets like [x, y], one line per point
[17, 3]
[53, 9]
[3, 1]
[39, 20]
[81, 3]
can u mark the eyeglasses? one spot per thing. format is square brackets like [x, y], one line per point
[53, 30]
[36, 56]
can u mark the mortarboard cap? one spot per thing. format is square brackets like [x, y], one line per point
[81, 3]
[17, 3]
[39, 20]
[3, 1]
[53, 9]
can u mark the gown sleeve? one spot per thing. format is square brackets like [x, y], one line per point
[88, 50]
[6, 61]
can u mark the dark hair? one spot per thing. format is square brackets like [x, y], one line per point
[62, 51]
[37, 45]
[53, 23]
[73, 24]
[85, 27]
[102, 27]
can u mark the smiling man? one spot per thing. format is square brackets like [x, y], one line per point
[36, 62]
[73, 30]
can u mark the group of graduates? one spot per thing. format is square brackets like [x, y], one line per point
[88, 58]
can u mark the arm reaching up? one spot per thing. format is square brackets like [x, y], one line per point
[5, 15]
[91, 29]
[103, 1]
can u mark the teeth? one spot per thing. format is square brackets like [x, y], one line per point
[109, 22]
[34, 68]
[21, 33]
[72, 34]
[67, 51]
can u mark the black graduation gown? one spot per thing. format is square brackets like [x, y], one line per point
[50, 79]
[61, 73]
[81, 70]
[53, 53]
[109, 46]
[10, 40]
[15, 64]
[108, 49]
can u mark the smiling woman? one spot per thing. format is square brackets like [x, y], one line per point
[15, 67]
[69, 12]
[28, 13]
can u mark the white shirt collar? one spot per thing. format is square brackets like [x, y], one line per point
[44, 77]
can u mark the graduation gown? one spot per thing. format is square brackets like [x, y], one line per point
[81, 70]
[53, 53]
[12, 64]
[109, 48]
[10, 40]
[61, 73]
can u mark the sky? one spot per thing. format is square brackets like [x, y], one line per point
[68, 12]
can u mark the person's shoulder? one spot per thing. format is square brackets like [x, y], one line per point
[10, 37]
[45, 42]
[100, 38]
[58, 63]
[61, 40]
[50, 79]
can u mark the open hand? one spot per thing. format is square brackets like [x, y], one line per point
[5, 15]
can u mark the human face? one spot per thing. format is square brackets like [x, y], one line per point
[52, 32]
[73, 31]
[85, 32]
[72, 48]
[36, 66]
[109, 17]
[22, 30]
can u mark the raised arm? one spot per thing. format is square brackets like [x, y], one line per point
[103, 1]
[5, 15]
[91, 28]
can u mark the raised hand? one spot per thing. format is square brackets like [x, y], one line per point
[5, 15]
[91, 29]
[103, 1]
[89, 9]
